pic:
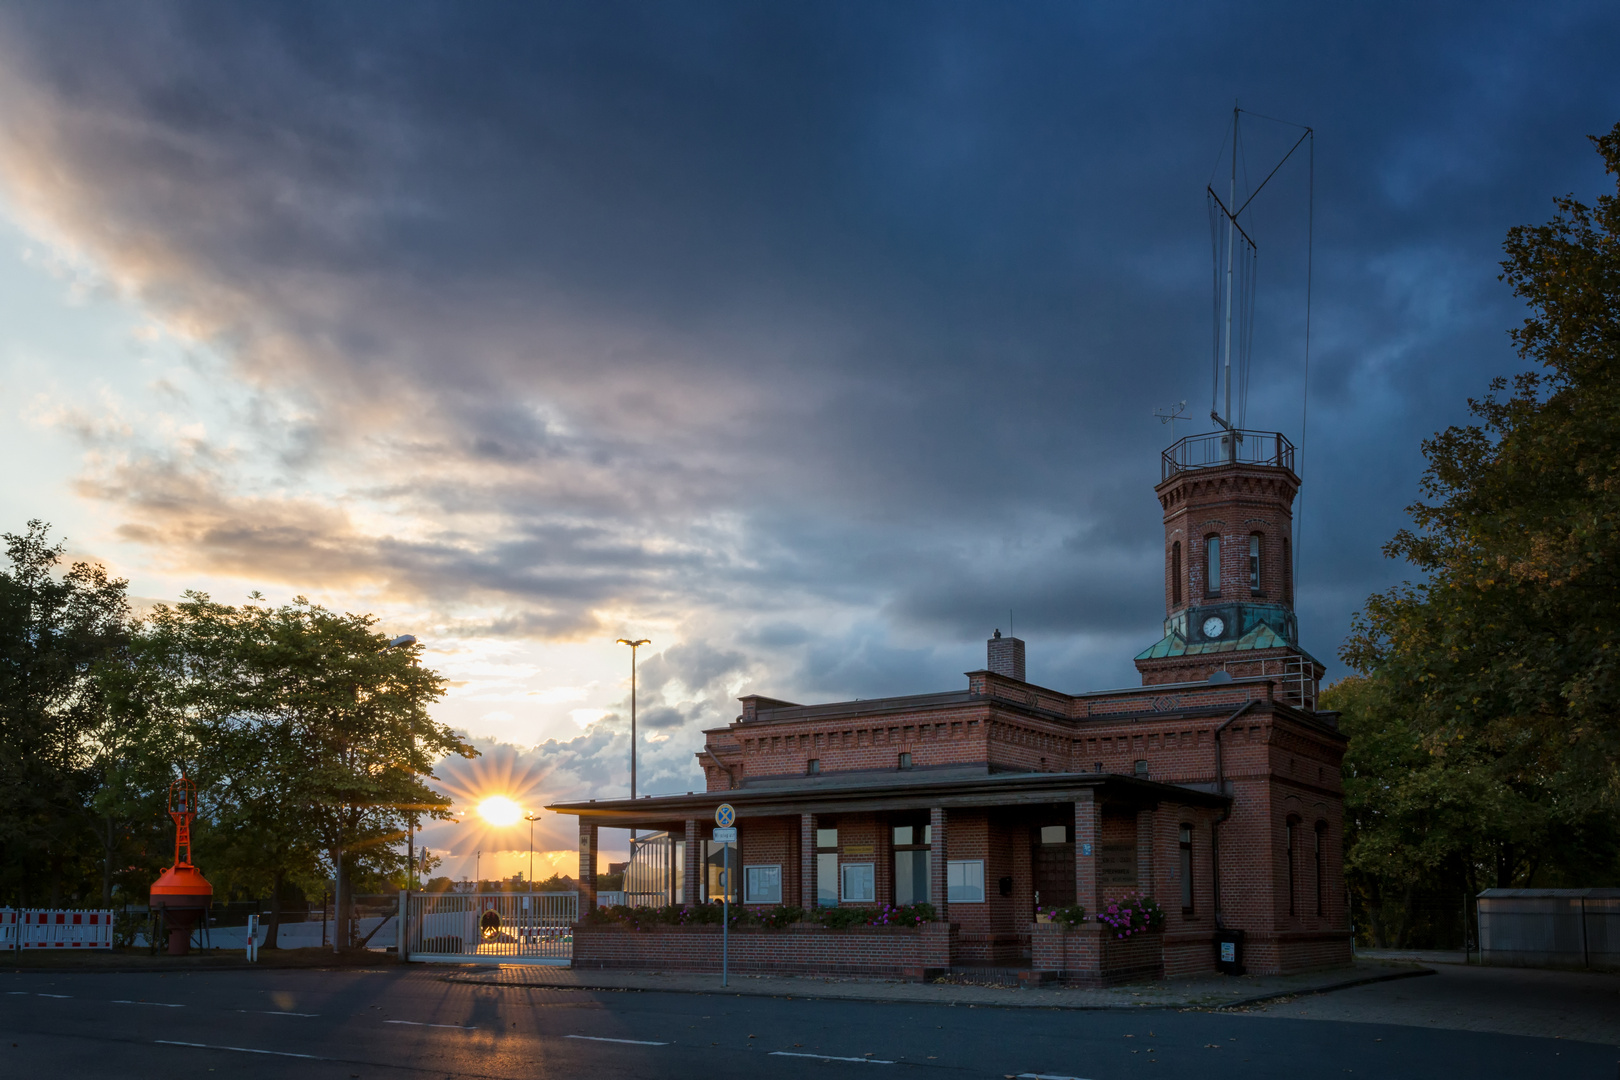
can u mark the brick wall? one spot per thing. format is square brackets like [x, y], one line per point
[803, 949]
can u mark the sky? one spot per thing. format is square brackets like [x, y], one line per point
[813, 342]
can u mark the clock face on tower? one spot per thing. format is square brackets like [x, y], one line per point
[1214, 626]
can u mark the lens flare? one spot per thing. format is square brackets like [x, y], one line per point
[500, 811]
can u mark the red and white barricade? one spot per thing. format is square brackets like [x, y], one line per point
[47, 929]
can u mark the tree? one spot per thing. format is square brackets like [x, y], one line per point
[59, 631]
[1486, 729]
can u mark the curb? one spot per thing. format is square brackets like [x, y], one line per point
[470, 978]
[1390, 976]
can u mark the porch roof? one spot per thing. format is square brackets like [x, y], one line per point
[994, 789]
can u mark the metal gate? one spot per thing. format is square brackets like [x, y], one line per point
[523, 928]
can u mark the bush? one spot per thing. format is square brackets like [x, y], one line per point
[1131, 915]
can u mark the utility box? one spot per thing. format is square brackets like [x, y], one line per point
[1229, 952]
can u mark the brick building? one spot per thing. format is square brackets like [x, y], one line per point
[1213, 787]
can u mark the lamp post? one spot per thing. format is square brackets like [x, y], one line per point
[531, 817]
[403, 641]
[478, 869]
[634, 645]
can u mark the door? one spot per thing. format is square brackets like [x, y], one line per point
[1053, 865]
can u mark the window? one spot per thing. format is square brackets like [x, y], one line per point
[1212, 565]
[1254, 562]
[1186, 869]
[1293, 891]
[813, 766]
[762, 884]
[964, 881]
[911, 863]
[1288, 574]
[826, 867]
[857, 883]
[1055, 834]
[905, 760]
[1321, 842]
[1175, 574]
[714, 876]
[1141, 770]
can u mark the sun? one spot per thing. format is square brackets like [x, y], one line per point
[500, 811]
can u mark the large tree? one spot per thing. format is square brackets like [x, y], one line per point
[1485, 736]
[59, 632]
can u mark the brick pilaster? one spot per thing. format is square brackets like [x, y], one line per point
[937, 892]
[807, 861]
[1087, 846]
[693, 864]
[587, 864]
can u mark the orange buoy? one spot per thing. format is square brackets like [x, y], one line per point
[182, 893]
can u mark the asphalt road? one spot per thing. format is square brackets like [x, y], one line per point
[406, 1024]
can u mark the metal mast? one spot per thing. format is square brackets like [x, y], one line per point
[1231, 222]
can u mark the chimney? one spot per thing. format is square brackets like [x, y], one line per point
[1007, 656]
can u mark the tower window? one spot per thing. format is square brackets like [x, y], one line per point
[1212, 565]
[1293, 885]
[1321, 834]
[1288, 574]
[1254, 562]
[1186, 869]
[1175, 574]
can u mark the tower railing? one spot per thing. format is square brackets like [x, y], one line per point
[1234, 447]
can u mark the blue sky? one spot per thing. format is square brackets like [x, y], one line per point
[806, 340]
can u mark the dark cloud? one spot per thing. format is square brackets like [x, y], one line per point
[834, 329]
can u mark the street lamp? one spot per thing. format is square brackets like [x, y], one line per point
[634, 645]
[531, 817]
[400, 642]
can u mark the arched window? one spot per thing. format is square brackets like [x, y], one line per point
[1321, 880]
[1293, 846]
[1212, 565]
[1175, 574]
[1255, 544]
[1288, 574]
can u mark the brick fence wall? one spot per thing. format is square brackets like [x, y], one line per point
[802, 949]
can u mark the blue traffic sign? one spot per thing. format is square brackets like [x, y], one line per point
[724, 815]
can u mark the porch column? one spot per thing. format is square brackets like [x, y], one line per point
[1147, 839]
[807, 861]
[1087, 845]
[694, 859]
[587, 865]
[937, 891]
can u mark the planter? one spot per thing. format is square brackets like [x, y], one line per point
[1087, 956]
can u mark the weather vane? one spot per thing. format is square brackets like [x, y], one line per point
[1171, 415]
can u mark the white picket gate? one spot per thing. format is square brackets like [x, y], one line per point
[41, 928]
[510, 928]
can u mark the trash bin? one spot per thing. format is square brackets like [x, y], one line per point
[1229, 951]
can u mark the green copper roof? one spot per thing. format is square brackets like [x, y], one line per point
[1261, 637]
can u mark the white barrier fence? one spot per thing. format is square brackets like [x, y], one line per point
[533, 928]
[37, 928]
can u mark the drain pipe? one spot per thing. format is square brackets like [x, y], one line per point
[1215, 826]
[731, 779]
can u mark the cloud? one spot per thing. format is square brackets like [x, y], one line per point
[815, 338]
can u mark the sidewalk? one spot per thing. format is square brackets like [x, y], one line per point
[1202, 992]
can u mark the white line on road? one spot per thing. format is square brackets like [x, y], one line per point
[239, 1049]
[632, 1042]
[159, 1004]
[418, 1023]
[1047, 1076]
[829, 1057]
[274, 1012]
[55, 995]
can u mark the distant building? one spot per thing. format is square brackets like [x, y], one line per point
[1214, 787]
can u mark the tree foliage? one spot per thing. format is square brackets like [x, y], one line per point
[1485, 741]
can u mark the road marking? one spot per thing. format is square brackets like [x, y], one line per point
[274, 1012]
[418, 1023]
[239, 1049]
[1047, 1076]
[829, 1057]
[55, 995]
[632, 1042]
[159, 1004]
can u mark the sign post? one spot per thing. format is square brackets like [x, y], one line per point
[726, 834]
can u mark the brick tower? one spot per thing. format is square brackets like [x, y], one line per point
[1228, 500]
